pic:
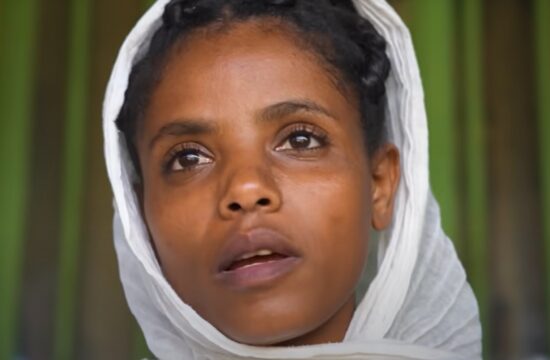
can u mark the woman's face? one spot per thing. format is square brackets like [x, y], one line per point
[257, 189]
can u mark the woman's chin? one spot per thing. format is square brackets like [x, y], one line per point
[268, 338]
[293, 329]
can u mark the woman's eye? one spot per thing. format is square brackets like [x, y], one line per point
[302, 140]
[187, 159]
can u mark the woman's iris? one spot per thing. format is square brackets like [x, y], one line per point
[300, 141]
[188, 159]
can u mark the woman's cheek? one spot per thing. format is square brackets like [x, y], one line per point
[173, 226]
[333, 210]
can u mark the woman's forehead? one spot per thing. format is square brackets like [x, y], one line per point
[242, 70]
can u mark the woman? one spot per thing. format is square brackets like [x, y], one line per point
[251, 163]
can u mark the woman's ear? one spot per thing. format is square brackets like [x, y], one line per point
[385, 172]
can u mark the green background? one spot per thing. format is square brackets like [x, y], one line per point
[485, 66]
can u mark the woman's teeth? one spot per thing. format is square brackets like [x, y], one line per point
[263, 252]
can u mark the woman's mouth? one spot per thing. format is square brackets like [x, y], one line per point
[256, 258]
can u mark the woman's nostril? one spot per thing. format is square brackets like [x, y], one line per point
[263, 202]
[237, 206]
[234, 206]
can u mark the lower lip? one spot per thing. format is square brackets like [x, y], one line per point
[259, 274]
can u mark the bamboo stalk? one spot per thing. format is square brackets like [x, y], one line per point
[475, 150]
[542, 34]
[17, 43]
[74, 170]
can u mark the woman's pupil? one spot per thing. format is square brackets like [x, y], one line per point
[188, 159]
[300, 141]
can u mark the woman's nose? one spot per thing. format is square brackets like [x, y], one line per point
[249, 190]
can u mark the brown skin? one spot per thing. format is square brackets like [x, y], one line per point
[322, 197]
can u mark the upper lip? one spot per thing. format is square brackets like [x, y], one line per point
[245, 243]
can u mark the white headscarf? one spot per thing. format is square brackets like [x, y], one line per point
[418, 306]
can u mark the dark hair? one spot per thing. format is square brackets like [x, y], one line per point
[330, 29]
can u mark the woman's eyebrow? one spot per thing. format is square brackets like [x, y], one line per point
[183, 127]
[286, 108]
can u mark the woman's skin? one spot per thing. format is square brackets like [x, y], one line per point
[248, 144]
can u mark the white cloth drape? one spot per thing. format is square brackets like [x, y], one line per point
[419, 305]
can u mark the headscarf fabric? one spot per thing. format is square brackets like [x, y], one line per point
[418, 306]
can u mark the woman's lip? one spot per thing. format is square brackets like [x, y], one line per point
[258, 274]
[251, 241]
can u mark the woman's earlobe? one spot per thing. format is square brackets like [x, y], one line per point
[385, 171]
